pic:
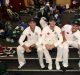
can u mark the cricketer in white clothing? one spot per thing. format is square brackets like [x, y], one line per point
[51, 38]
[33, 33]
[68, 40]
[77, 36]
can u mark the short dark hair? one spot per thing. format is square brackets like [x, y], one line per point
[76, 23]
[31, 19]
[52, 19]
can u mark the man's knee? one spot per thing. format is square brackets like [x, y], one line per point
[39, 50]
[20, 49]
[50, 60]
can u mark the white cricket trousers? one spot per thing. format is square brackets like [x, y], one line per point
[42, 51]
[20, 53]
[63, 51]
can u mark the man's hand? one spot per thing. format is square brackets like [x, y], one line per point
[27, 49]
[49, 46]
[33, 45]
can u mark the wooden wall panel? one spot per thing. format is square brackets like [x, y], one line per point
[63, 2]
[26, 2]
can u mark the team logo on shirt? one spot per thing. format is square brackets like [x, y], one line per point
[40, 34]
[29, 34]
[48, 33]
[67, 32]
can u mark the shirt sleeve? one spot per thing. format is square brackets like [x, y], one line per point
[77, 36]
[42, 36]
[66, 28]
[22, 37]
[59, 35]
[39, 36]
[63, 28]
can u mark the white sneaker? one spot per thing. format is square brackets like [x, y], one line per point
[50, 66]
[21, 65]
[42, 66]
[65, 65]
[57, 66]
